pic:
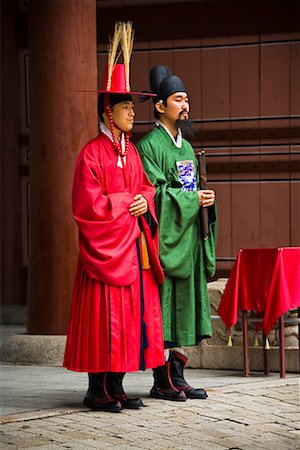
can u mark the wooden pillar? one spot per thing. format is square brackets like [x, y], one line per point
[245, 344]
[11, 245]
[63, 59]
[282, 365]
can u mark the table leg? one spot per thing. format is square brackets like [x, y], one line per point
[245, 343]
[281, 347]
[266, 356]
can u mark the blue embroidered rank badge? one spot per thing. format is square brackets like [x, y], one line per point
[187, 175]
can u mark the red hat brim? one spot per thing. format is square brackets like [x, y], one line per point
[100, 91]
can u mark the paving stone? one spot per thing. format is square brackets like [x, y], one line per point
[250, 414]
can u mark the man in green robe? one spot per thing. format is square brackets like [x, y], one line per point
[188, 260]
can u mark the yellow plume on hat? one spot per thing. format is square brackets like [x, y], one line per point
[121, 42]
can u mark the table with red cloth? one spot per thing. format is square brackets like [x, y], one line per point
[265, 280]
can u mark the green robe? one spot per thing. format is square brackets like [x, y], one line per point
[187, 260]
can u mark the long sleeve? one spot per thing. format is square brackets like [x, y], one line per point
[107, 231]
[177, 210]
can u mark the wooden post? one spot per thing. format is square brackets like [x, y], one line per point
[63, 59]
[11, 229]
[281, 347]
[245, 343]
[266, 356]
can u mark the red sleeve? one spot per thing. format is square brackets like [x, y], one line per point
[148, 191]
[107, 231]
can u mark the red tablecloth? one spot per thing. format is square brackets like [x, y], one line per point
[264, 280]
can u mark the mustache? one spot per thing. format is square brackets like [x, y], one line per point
[183, 112]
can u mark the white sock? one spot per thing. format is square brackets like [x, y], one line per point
[167, 354]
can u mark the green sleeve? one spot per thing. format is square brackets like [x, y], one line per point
[209, 244]
[177, 212]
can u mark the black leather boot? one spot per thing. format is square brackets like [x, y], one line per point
[163, 387]
[178, 361]
[97, 396]
[116, 391]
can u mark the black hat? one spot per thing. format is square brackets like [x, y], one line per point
[163, 83]
[113, 99]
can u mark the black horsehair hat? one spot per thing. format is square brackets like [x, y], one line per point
[163, 83]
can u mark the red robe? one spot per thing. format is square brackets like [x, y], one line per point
[105, 321]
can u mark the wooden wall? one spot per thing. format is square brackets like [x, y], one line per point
[245, 103]
[241, 66]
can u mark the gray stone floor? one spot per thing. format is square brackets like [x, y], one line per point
[41, 408]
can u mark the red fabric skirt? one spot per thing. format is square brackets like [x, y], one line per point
[104, 332]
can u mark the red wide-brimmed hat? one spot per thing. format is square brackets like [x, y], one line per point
[118, 83]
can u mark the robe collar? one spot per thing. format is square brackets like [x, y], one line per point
[178, 141]
[107, 132]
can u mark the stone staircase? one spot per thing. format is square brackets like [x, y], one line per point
[214, 353]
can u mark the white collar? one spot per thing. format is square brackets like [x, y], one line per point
[107, 132]
[178, 141]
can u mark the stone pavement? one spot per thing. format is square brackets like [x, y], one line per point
[41, 408]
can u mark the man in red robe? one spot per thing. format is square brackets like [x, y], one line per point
[115, 321]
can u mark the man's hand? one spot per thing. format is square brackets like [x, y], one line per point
[139, 207]
[206, 197]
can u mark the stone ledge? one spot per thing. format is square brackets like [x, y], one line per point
[34, 349]
[49, 351]
[206, 356]
[211, 354]
[13, 314]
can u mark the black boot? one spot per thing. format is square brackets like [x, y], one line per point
[116, 391]
[163, 387]
[177, 365]
[97, 397]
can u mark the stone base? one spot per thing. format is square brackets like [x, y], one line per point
[206, 356]
[34, 349]
[13, 314]
[210, 354]
[49, 351]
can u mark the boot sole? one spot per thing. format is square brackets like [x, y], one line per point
[195, 398]
[163, 397]
[107, 408]
[129, 403]
[132, 407]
